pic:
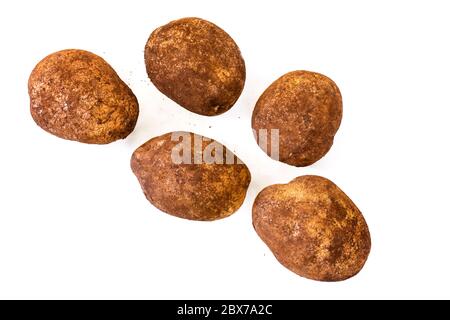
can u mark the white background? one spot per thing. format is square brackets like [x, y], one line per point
[75, 224]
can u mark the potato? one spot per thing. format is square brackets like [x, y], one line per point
[76, 95]
[306, 108]
[196, 64]
[190, 176]
[312, 228]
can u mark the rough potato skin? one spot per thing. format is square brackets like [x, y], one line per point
[190, 191]
[306, 107]
[312, 228]
[76, 95]
[196, 64]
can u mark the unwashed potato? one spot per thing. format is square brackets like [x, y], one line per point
[312, 228]
[195, 188]
[76, 95]
[196, 64]
[306, 108]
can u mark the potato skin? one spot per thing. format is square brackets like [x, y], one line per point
[196, 64]
[76, 95]
[312, 228]
[306, 107]
[189, 191]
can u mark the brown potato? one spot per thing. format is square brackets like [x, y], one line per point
[76, 95]
[193, 186]
[312, 228]
[196, 64]
[306, 108]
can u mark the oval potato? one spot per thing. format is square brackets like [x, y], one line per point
[196, 64]
[190, 186]
[306, 108]
[313, 228]
[76, 95]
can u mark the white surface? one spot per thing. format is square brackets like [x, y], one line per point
[75, 224]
